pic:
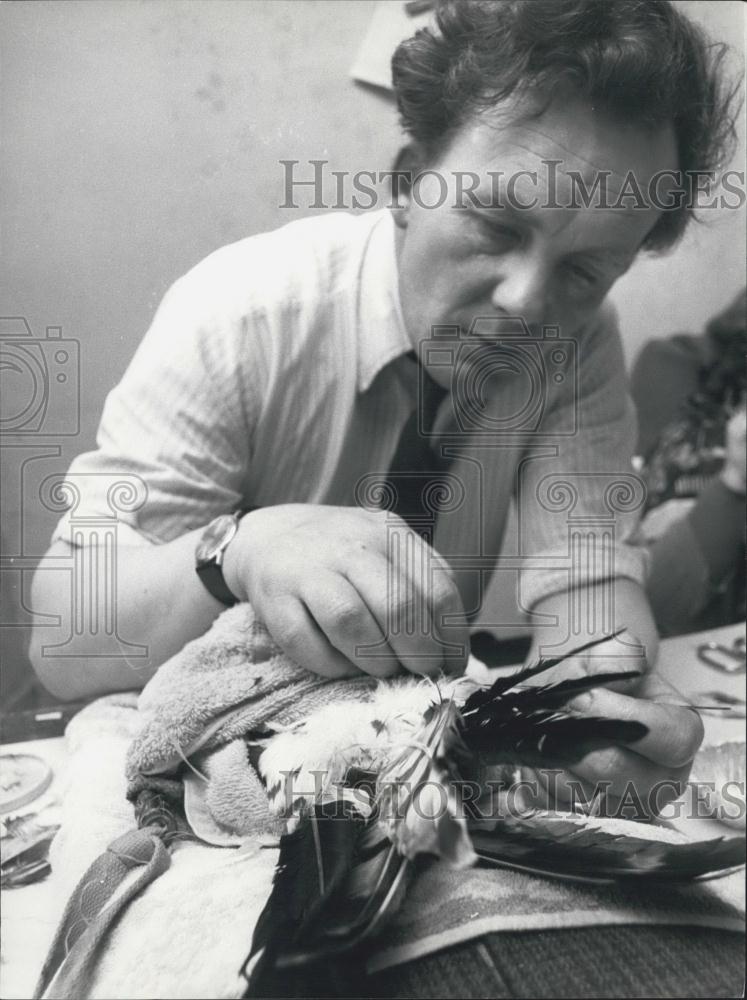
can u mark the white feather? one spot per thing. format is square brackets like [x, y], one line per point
[311, 757]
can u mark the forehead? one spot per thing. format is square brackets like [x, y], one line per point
[570, 138]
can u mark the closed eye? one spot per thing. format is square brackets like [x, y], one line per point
[501, 237]
[583, 275]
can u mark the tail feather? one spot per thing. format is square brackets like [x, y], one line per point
[314, 860]
[524, 724]
[518, 677]
[336, 881]
[583, 847]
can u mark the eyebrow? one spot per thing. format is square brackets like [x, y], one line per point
[620, 257]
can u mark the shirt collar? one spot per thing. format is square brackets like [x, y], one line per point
[382, 336]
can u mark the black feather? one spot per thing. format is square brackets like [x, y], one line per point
[518, 677]
[337, 879]
[527, 724]
[514, 722]
[534, 741]
[507, 702]
[314, 861]
[578, 847]
[373, 891]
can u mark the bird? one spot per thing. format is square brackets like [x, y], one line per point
[367, 788]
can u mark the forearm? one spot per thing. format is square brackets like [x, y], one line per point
[601, 608]
[121, 634]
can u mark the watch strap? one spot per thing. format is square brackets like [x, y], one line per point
[211, 572]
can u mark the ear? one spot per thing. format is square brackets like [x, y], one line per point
[407, 163]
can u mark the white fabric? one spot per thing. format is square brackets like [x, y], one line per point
[189, 932]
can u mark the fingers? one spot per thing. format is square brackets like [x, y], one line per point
[342, 591]
[347, 622]
[674, 732]
[295, 631]
[638, 780]
[450, 621]
[628, 779]
[637, 798]
[372, 621]
[415, 604]
[398, 602]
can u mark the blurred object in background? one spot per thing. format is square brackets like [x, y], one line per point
[25, 834]
[690, 395]
[390, 24]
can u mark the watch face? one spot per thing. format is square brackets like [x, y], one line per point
[215, 537]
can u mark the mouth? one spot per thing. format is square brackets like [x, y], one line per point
[489, 328]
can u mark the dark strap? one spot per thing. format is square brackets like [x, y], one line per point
[87, 919]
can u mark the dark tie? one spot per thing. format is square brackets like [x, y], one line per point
[417, 467]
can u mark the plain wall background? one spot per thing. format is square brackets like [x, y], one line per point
[140, 136]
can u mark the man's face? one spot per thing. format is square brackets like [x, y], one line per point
[549, 265]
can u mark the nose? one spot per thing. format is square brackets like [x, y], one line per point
[521, 289]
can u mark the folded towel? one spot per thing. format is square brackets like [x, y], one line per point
[230, 681]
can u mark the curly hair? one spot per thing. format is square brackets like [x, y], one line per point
[643, 62]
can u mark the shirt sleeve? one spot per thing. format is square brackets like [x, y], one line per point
[578, 497]
[174, 441]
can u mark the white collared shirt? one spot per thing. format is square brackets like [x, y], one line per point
[276, 371]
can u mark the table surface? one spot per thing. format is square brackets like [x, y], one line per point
[27, 927]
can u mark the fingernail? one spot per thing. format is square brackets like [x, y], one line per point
[582, 702]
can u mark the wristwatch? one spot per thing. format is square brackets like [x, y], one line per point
[210, 552]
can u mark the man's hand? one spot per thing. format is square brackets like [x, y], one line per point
[340, 594]
[639, 779]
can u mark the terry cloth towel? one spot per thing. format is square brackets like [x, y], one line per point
[186, 932]
[231, 683]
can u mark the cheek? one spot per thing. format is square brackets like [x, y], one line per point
[569, 310]
[438, 232]
[427, 267]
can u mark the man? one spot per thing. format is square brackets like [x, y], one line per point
[278, 376]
